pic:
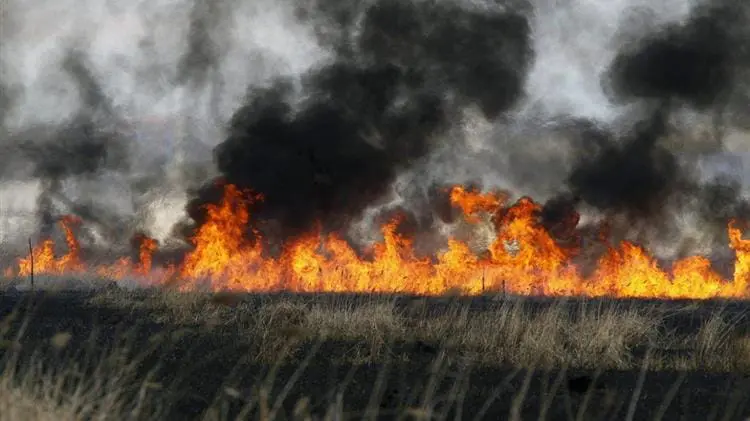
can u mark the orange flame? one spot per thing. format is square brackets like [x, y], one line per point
[145, 254]
[126, 268]
[524, 258]
[471, 201]
[43, 260]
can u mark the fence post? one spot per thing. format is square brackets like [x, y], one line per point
[31, 257]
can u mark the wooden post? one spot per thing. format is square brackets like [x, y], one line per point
[31, 257]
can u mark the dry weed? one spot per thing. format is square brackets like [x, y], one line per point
[510, 331]
[740, 349]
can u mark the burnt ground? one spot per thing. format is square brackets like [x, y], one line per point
[198, 367]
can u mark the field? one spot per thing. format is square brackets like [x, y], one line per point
[114, 354]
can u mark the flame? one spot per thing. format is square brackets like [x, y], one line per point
[145, 254]
[42, 258]
[471, 201]
[222, 255]
[524, 258]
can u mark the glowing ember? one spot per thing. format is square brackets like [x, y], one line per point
[525, 258]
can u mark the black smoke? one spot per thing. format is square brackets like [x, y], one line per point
[645, 175]
[632, 175]
[400, 74]
[692, 62]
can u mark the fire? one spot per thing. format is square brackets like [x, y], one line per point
[222, 256]
[525, 258]
[145, 254]
[42, 258]
[471, 201]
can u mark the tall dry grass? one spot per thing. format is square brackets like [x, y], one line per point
[51, 384]
[515, 332]
[107, 383]
[110, 391]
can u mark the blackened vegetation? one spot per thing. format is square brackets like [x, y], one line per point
[400, 73]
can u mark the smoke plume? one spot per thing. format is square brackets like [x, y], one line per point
[645, 175]
[399, 77]
[130, 115]
[110, 111]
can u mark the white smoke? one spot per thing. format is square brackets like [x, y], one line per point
[133, 49]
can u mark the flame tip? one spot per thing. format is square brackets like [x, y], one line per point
[523, 258]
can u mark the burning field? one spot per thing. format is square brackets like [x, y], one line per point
[523, 258]
[520, 209]
[418, 166]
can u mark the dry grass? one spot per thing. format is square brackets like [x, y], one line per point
[552, 338]
[508, 332]
[740, 349]
[97, 385]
